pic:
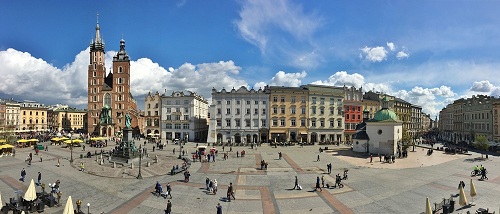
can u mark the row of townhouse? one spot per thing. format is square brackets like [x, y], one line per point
[468, 118]
[309, 113]
[29, 116]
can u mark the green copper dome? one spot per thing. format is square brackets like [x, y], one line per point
[385, 115]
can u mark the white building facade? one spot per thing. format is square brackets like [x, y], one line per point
[12, 112]
[325, 113]
[184, 117]
[239, 116]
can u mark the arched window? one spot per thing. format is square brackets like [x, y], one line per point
[120, 69]
[107, 99]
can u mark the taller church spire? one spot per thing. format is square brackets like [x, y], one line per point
[97, 43]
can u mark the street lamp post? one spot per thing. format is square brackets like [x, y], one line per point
[139, 176]
[71, 148]
[88, 208]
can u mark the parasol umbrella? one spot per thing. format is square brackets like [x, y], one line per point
[68, 209]
[472, 191]
[428, 209]
[30, 194]
[462, 198]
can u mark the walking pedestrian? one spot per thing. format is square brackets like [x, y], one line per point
[317, 184]
[58, 162]
[317, 159]
[207, 182]
[230, 192]
[169, 207]
[39, 178]
[219, 208]
[215, 186]
[23, 175]
[169, 191]
[323, 181]
[371, 158]
[296, 183]
[41, 157]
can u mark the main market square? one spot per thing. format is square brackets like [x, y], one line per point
[371, 187]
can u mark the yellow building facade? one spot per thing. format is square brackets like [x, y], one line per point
[33, 118]
[66, 118]
[288, 114]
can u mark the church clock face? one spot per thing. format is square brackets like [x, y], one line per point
[379, 131]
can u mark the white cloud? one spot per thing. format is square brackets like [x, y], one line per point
[391, 46]
[482, 86]
[27, 77]
[341, 78]
[376, 54]
[281, 30]
[288, 79]
[402, 55]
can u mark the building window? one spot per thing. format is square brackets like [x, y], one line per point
[292, 110]
[248, 111]
[219, 122]
[322, 110]
[177, 126]
[292, 122]
[339, 123]
[247, 123]
[293, 99]
[275, 110]
[322, 101]
[282, 99]
[313, 123]
[219, 111]
[256, 111]
[264, 111]
[313, 100]
[237, 111]
[228, 102]
[168, 126]
[237, 122]
[302, 122]
[228, 111]
[185, 126]
[331, 123]
[257, 102]
[313, 110]
[282, 122]
[282, 110]
[186, 117]
[263, 123]
[228, 122]
[303, 110]
[275, 99]
[322, 123]
[275, 122]
[219, 102]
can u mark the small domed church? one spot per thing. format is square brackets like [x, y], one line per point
[380, 135]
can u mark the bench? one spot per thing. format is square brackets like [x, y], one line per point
[181, 169]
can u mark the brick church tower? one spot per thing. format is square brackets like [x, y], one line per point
[109, 97]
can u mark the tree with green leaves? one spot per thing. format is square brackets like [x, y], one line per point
[481, 144]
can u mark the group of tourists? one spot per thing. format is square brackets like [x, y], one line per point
[211, 185]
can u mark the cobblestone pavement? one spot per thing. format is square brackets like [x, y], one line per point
[374, 187]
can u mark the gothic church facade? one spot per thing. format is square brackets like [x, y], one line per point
[109, 96]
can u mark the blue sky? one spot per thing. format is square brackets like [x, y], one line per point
[426, 52]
